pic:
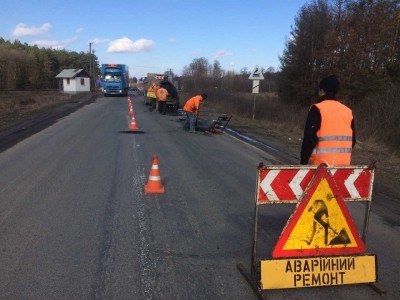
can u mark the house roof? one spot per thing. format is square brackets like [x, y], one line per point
[72, 73]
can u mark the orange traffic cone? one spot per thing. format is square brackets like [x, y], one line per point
[130, 109]
[154, 185]
[133, 125]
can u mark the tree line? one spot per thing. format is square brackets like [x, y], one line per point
[23, 66]
[357, 40]
[201, 75]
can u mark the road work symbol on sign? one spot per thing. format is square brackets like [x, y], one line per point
[322, 227]
[321, 224]
[256, 74]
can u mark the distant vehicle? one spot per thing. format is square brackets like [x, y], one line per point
[165, 82]
[115, 79]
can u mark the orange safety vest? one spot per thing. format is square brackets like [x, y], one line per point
[193, 104]
[335, 136]
[162, 94]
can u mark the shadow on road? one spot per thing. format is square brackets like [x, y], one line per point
[132, 132]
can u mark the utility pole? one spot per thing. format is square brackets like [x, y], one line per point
[90, 58]
[94, 66]
[170, 75]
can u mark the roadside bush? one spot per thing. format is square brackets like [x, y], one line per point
[264, 106]
[378, 117]
[18, 101]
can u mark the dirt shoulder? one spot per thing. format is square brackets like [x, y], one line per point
[25, 113]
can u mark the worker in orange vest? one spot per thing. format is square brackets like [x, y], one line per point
[152, 93]
[191, 108]
[162, 95]
[329, 130]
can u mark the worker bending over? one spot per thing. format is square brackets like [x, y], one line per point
[191, 108]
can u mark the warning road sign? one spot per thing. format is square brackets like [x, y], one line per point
[317, 271]
[288, 183]
[321, 224]
[256, 74]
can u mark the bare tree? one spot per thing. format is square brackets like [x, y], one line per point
[305, 55]
[197, 74]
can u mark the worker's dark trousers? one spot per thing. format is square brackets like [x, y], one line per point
[162, 105]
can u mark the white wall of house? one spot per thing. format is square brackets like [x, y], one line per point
[77, 84]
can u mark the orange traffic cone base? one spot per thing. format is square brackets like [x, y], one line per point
[151, 190]
[133, 127]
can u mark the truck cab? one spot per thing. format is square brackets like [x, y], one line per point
[115, 79]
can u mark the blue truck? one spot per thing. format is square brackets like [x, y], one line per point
[115, 79]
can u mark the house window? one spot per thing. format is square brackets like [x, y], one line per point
[82, 81]
[67, 81]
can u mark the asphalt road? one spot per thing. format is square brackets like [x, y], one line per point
[75, 222]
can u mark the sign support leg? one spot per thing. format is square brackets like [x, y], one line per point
[377, 289]
[254, 106]
[254, 248]
[253, 278]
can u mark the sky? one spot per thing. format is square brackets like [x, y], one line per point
[153, 36]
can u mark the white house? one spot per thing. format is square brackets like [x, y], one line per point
[73, 81]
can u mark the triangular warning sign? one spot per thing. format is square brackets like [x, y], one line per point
[256, 74]
[321, 223]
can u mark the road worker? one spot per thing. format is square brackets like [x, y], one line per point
[151, 93]
[329, 130]
[191, 108]
[172, 96]
[162, 95]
